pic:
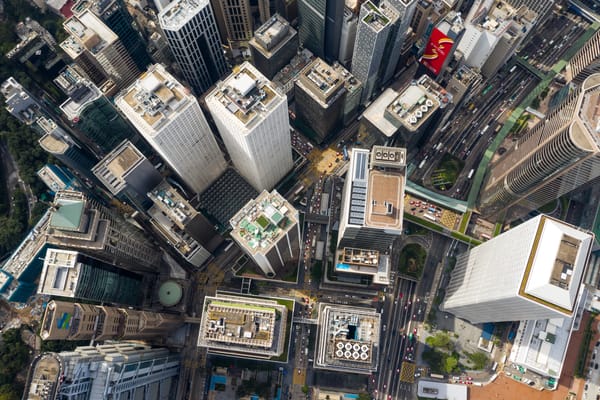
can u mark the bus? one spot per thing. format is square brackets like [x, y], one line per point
[437, 376]
[297, 192]
[422, 163]
[471, 172]
[487, 89]
[512, 69]
[485, 128]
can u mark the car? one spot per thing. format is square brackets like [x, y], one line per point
[415, 331]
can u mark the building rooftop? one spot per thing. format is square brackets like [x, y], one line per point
[113, 168]
[85, 93]
[53, 145]
[376, 196]
[170, 202]
[68, 80]
[156, 96]
[46, 371]
[284, 78]
[49, 176]
[415, 104]
[379, 17]
[350, 82]
[272, 35]
[348, 339]
[322, 81]
[375, 113]
[68, 214]
[60, 275]
[502, 18]
[556, 264]
[246, 93]
[90, 32]
[247, 326]
[19, 102]
[263, 221]
[364, 262]
[441, 390]
[178, 13]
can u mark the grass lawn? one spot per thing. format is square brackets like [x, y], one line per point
[412, 260]
[445, 174]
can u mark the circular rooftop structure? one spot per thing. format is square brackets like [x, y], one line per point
[170, 293]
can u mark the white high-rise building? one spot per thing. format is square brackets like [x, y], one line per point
[533, 271]
[169, 118]
[193, 36]
[252, 118]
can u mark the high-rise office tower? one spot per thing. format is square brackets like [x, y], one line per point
[116, 17]
[540, 277]
[80, 223]
[405, 10]
[585, 62]
[252, 118]
[274, 44]
[556, 156]
[64, 320]
[169, 118]
[373, 199]
[110, 371]
[347, 37]
[374, 27]
[187, 230]
[91, 36]
[128, 175]
[72, 274]
[288, 9]
[320, 26]
[192, 33]
[267, 230]
[320, 95]
[95, 118]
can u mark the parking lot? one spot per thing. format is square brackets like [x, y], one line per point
[432, 212]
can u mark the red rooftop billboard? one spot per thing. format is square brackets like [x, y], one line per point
[437, 50]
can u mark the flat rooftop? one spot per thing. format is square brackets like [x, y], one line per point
[178, 13]
[187, 246]
[81, 97]
[246, 325]
[51, 179]
[556, 264]
[272, 35]
[378, 17]
[60, 274]
[44, 377]
[441, 390]
[415, 104]
[172, 203]
[113, 168]
[156, 96]
[285, 77]
[350, 82]
[348, 339]
[90, 32]
[321, 80]
[263, 221]
[364, 262]
[375, 113]
[53, 145]
[246, 93]
[376, 195]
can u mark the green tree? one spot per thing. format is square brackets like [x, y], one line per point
[8, 392]
[449, 364]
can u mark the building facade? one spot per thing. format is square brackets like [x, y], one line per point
[252, 118]
[540, 279]
[556, 156]
[169, 117]
[193, 37]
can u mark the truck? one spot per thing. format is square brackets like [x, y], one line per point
[471, 172]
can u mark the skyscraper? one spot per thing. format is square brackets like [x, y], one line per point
[192, 33]
[77, 321]
[116, 371]
[81, 224]
[373, 199]
[274, 44]
[539, 276]
[267, 230]
[116, 17]
[91, 36]
[374, 27]
[169, 118]
[553, 158]
[128, 175]
[237, 20]
[72, 274]
[405, 10]
[347, 37]
[252, 118]
[320, 26]
[320, 95]
[95, 118]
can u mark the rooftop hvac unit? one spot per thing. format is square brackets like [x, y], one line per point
[364, 356]
[429, 103]
[412, 120]
[418, 114]
[347, 354]
[339, 353]
[364, 348]
[355, 355]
